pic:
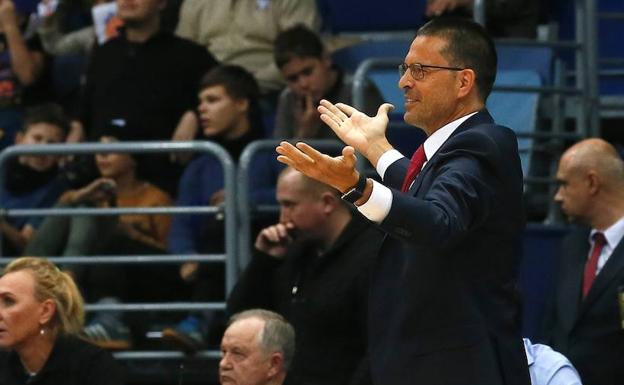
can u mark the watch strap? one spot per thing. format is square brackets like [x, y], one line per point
[356, 192]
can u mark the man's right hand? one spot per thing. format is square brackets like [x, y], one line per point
[364, 133]
[274, 240]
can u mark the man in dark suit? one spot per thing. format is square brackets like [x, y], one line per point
[443, 308]
[584, 322]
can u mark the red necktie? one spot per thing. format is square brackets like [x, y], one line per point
[592, 263]
[416, 164]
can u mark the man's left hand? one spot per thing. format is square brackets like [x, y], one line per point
[338, 172]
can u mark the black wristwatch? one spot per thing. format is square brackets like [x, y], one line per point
[356, 192]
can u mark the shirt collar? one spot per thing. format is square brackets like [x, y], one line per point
[528, 349]
[437, 139]
[613, 233]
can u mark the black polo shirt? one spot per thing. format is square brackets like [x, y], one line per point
[143, 86]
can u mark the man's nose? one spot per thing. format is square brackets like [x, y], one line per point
[406, 81]
[558, 197]
[223, 362]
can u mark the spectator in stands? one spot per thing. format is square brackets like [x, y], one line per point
[585, 321]
[41, 316]
[548, 367]
[32, 181]
[313, 268]
[118, 186]
[310, 76]
[242, 32]
[257, 349]
[24, 68]
[503, 18]
[145, 80]
[229, 115]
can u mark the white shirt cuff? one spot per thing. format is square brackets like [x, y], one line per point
[378, 204]
[386, 159]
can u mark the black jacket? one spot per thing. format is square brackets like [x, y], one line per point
[71, 362]
[324, 298]
[588, 331]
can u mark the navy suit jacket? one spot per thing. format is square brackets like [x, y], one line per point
[589, 331]
[444, 307]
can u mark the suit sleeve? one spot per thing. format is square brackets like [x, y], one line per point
[395, 173]
[461, 188]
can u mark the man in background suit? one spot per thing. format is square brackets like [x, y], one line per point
[443, 308]
[584, 322]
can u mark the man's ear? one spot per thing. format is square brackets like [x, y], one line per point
[326, 59]
[276, 364]
[466, 82]
[242, 105]
[593, 182]
[330, 201]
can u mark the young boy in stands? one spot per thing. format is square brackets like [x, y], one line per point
[32, 181]
[229, 115]
[310, 76]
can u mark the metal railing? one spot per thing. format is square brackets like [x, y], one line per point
[229, 258]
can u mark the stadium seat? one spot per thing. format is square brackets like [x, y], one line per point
[517, 110]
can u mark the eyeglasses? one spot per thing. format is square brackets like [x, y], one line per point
[417, 70]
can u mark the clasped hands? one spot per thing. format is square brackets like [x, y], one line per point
[360, 132]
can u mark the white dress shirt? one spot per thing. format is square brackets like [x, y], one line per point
[613, 236]
[377, 207]
[548, 367]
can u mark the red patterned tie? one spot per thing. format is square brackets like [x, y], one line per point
[592, 263]
[418, 159]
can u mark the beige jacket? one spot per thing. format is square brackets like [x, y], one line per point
[242, 31]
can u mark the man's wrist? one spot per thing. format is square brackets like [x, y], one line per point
[355, 193]
[376, 150]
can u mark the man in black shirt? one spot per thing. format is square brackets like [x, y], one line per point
[145, 80]
[313, 268]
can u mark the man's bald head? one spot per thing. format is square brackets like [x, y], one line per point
[591, 181]
[596, 155]
[307, 184]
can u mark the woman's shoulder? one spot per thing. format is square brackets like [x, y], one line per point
[94, 364]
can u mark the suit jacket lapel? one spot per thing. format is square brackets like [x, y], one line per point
[570, 291]
[481, 117]
[606, 275]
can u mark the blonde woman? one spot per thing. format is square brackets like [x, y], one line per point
[41, 314]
